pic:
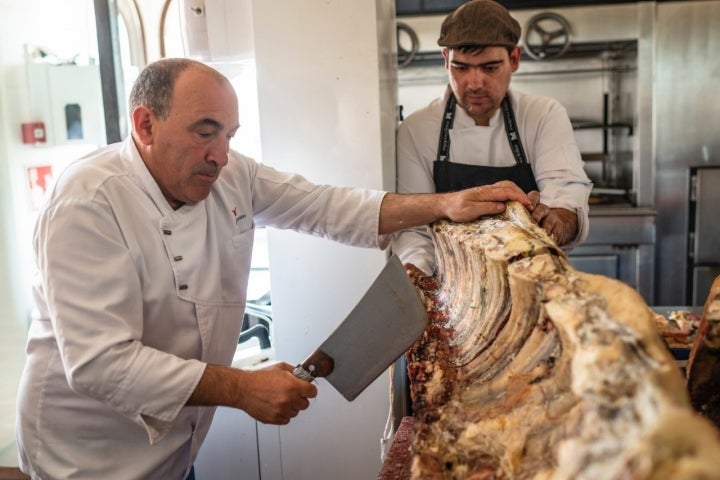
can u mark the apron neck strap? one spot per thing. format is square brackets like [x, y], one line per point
[511, 130]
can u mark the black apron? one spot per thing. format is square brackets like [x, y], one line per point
[450, 177]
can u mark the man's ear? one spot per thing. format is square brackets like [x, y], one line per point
[142, 119]
[515, 58]
[446, 55]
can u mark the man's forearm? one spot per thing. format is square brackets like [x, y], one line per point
[400, 211]
[271, 394]
[214, 387]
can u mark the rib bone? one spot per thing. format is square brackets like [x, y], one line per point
[531, 369]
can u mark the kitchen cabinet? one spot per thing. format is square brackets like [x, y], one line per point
[66, 98]
[703, 232]
[620, 245]
[631, 264]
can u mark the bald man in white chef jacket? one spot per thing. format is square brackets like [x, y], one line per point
[143, 254]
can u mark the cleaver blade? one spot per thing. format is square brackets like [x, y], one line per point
[386, 321]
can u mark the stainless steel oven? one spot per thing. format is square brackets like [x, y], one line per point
[703, 232]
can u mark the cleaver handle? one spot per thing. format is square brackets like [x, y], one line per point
[319, 364]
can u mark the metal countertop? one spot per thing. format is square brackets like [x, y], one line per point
[624, 210]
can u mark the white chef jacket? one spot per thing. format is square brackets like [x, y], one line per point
[135, 298]
[548, 140]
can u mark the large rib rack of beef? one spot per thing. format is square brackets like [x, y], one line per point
[533, 370]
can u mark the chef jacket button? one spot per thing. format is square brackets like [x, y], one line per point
[167, 232]
[177, 258]
[183, 287]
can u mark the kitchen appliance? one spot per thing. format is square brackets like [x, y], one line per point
[385, 322]
[687, 38]
[704, 232]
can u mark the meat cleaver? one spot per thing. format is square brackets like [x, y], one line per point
[385, 323]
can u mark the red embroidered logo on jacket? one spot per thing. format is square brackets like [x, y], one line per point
[237, 217]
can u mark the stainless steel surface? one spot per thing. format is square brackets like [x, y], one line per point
[625, 210]
[705, 201]
[628, 226]
[702, 280]
[630, 263]
[704, 232]
[643, 167]
[621, 245]
[686, 119]
[385, 322]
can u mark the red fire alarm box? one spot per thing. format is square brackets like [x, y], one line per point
[33, 132]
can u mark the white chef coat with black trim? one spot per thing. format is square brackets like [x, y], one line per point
[548, 140]
[135, 298]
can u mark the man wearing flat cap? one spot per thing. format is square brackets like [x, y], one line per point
[481, 131]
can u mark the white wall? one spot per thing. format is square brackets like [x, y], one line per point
[326, 91]
[12, 327]
[65, 28]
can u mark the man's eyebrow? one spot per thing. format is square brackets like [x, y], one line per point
[489, 63]
[207, 122]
